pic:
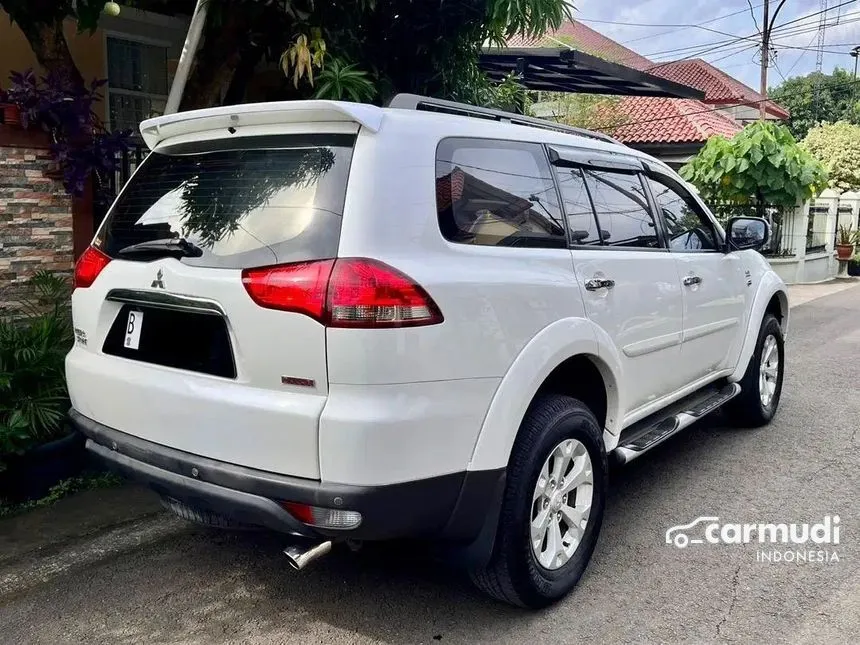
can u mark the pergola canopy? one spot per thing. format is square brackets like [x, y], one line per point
[569, 70]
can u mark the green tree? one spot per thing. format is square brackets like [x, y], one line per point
[762, 164]
[590, 111]
[422, 46]
[41, 22]
[816, 97]
[837, 147]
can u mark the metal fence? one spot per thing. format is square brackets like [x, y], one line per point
[107, 186]
[816, 229]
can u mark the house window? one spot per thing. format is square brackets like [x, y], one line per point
[137, 82]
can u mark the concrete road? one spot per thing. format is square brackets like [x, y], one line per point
[192, 585]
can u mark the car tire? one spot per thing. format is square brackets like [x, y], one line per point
[517, 573]
[750, 408]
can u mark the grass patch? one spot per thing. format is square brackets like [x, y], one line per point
[85, 481]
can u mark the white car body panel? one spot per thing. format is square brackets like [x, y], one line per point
[394, 405]
[648, 337]
[546, 351]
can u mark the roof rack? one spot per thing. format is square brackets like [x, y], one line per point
[428, 104]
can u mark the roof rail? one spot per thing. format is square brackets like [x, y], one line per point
[426, 103]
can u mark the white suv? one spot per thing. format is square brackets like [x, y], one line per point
[346, 322]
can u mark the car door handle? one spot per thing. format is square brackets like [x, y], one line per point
[690, 280]
[599, 283]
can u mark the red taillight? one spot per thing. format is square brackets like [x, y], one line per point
[89, 265]
[348, 292]
[367, 293]
[291, 287]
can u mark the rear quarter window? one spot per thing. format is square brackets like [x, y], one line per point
[244, 202]
[497, 193]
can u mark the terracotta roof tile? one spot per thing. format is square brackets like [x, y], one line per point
[719, 87]
[578, 36]
[660, 120]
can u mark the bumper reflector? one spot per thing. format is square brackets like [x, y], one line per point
[324, 518]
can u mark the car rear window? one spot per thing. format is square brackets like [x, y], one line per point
[243, 202]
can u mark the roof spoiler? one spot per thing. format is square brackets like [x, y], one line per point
[156, 130]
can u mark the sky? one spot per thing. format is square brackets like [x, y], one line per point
[669, 33]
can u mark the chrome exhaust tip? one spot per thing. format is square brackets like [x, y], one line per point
[300, 556]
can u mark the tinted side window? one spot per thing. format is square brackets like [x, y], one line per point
[622, 209]
[688, 227]
[577, 207]
[497, 193]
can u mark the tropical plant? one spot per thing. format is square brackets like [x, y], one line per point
[847, 235]
[339, 81]
[80, 144]
[35, 336]
[762, 164]
[302, 56]
[837, 146]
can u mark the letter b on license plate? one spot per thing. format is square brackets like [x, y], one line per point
[132, 329]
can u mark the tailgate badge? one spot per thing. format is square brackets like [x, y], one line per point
[158, 283]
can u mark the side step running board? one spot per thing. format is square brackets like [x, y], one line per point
[654, 430]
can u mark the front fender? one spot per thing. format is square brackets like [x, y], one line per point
[769, 285]
[549, 348]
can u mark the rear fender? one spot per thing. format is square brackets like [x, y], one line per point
[553, 345]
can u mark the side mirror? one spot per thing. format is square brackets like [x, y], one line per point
[747, 233]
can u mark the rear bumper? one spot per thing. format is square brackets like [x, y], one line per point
[452, 507]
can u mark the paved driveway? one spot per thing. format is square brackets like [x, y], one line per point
[194, 586]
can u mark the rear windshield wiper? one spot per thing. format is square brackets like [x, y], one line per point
[172, 246]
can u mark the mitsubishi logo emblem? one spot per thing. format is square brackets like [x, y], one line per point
[158, 283]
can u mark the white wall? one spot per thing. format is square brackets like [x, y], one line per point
[805, 267]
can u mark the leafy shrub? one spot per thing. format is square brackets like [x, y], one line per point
[35, 337]
[80, 144]
[837, 146]
[762, 164]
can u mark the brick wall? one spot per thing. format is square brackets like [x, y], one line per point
[35, 214]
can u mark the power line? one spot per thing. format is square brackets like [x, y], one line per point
[703, 48]
[658, 24]
[795, 31]
[800, 55]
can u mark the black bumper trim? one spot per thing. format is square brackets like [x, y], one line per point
[452, 507]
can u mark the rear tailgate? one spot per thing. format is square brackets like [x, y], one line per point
[170, 346]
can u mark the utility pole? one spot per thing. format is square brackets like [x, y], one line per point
[765, 59]
[855, 53]
[766, 29]
[186, 58]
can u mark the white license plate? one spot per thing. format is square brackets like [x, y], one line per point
[132, 329]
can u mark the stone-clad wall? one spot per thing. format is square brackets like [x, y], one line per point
[35, 218]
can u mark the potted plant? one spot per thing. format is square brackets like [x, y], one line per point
[845, 242]
[37, 447]
[11, 113]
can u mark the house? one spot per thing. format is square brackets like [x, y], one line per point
[136, 51]
[42, 227]
[670, 129]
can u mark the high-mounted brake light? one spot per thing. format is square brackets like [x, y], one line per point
[88, 267]
[347, 292]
